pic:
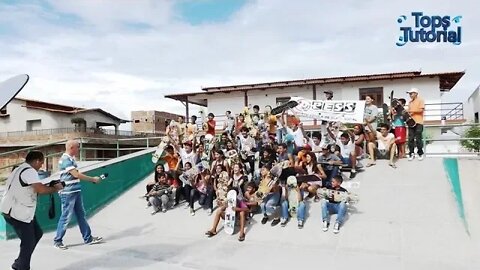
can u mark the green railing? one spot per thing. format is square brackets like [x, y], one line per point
[123, 172]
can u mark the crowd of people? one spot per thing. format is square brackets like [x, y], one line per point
[257, 148]
[254, 155]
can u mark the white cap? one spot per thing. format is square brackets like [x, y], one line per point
[413, 90]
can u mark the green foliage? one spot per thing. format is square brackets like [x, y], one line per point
[472, 145]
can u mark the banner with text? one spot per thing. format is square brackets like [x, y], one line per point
[345, 111]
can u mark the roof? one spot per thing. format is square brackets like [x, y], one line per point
[447, 82]
[60, 108]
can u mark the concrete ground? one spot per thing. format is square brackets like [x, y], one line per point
[406, 219]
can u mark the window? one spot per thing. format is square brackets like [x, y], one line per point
[476, 117]
[137, 121]
[34, 124]
[282, 100]
[375, 92]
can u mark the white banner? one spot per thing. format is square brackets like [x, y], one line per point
[345, 111]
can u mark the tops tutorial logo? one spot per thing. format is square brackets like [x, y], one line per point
[430, 29]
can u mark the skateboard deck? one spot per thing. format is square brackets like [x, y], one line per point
[264, 187]
[404, 113]
[161, 147]
[306, 178]
[292, 195]
[386, 113]
[288, 105]
[230, 211]
[338, 196]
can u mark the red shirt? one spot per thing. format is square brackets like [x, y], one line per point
[211, 127]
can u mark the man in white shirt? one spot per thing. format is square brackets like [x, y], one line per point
[19, 203]
[347, 151]
[385, 148]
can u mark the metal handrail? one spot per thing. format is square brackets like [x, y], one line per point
[31, 148]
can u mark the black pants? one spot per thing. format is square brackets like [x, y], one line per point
[29, 234]
[203, 199]
[415, 139]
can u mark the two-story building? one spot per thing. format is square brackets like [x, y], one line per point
[235, 97]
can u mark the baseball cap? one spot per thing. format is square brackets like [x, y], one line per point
[413, 90]
[328, 92]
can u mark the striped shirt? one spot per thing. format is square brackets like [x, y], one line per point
[66, 164]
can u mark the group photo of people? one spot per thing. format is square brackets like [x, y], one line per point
[254, 152]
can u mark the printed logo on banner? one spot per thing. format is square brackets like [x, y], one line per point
[429, 29]
[347, 111]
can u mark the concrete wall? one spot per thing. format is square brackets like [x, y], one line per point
[473, 105]
[19, 115]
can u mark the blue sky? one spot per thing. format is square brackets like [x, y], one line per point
[122, 56]
[207, 11]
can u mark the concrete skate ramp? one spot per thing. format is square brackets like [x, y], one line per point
[407, 218]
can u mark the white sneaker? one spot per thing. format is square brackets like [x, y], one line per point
[420, 157]
[411, 157]
[336, 228]
[325, 226]
[210, 212]
[192, 212]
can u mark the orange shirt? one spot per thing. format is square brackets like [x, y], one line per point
[414, 106]
[172, 161]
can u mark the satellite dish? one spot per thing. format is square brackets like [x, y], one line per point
[11, 87]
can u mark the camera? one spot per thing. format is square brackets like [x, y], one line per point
[54, 182]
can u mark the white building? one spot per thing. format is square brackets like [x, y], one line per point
[473, 106]
[236, 97]
[23, 115]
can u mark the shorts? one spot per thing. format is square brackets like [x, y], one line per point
[382, 154]
[400, 135]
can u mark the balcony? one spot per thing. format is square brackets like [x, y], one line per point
[44, 135]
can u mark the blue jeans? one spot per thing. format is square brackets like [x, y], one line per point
[334, 208]
[330, 174]
[72, 204]
[300, 210]
[269, 203]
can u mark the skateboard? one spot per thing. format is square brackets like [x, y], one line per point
[292, 195]
[306, 178]
[230, 211]
[338, 196]
[386, 113]
[288, 105]
[264, 188]
[160, 148]
[187, 176]
[404, 113]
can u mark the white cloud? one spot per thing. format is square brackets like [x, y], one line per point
[101, 61]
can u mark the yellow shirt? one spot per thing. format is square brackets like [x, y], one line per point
[416, 109]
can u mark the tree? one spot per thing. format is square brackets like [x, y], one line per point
[472, 145]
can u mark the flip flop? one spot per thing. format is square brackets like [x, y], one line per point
[392, 165]
[241, 238]
[370, 165]
[210, 234]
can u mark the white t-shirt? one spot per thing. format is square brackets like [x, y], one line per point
[297, 135]
[345, 150]
[187, 157]
[20, 201]
[382, 141]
